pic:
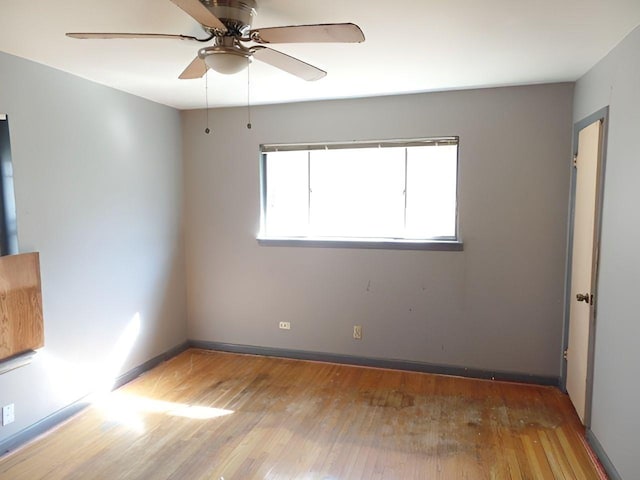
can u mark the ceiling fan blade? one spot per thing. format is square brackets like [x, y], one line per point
[288, 63]
[92, 36]
[329, 32]
[196, 69]
[199, 12]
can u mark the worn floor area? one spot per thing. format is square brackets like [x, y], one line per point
[210, 415]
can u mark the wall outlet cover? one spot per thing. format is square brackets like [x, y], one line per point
[357, 332]
[8, 414]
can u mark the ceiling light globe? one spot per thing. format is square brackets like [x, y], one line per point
[226, 63]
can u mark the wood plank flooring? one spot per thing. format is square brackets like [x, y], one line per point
[210, 415]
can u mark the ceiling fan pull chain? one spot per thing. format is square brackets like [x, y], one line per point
[249, 92]
[206, 99]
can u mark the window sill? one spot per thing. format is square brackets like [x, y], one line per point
[382, 244]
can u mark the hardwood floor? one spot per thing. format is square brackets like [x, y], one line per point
[209, 415]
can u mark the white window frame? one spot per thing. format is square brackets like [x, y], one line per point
[449, 243]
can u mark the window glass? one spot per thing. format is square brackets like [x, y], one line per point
[357, 192]
[287, 195]
[431, 191]
[8, 224]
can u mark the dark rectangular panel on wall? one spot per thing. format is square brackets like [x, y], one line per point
[21, 321]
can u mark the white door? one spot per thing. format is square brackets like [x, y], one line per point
[582, 265]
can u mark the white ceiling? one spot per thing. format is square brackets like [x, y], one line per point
[411, 45]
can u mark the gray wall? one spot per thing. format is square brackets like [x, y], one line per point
[497, 305]
[98, 184]
[615, 81]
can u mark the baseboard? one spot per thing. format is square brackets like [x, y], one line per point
[377, 363]
[149, 364]
[602, 456]
[47, 423]
[38, 428]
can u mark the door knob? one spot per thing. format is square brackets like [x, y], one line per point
[583, 297]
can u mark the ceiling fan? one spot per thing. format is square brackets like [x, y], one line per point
[228, 25]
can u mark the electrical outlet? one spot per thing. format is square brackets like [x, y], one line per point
[357, 332]
[8, 414]
[285, 325]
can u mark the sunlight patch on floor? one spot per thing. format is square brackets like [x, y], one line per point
[131, 410]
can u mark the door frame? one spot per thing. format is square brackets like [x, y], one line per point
[602, 115]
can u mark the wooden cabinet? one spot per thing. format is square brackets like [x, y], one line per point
[21, 322]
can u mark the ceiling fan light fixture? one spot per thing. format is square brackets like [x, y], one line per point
[227, 62]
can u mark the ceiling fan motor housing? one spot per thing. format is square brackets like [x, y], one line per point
[237, 15]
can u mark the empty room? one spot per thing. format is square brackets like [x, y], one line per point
[273, 239]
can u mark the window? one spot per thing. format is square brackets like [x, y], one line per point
[365, 193]
[8, 228]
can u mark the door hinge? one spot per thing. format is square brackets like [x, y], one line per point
[565, 353]
[575, 160]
